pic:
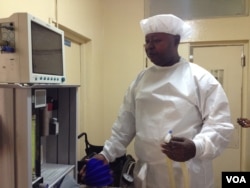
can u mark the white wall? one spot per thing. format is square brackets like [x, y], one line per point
[122, 53]
[41, 9]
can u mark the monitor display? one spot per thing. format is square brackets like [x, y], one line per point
[47, 50]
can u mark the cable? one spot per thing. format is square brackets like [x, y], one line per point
[171, 169]
[11, 28]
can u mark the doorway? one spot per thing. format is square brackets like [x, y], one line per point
[225, 62]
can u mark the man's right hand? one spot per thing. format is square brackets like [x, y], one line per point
[97, 156]
[101, 157]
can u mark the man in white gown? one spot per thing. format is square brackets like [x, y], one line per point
[175, 95]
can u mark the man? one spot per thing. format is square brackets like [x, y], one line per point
[171, 95]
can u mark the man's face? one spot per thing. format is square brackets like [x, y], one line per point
[161, 48]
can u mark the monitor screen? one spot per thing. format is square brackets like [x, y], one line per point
[47, 52]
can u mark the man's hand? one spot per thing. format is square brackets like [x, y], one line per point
[179, 149]
[97, 156]
[101, 157]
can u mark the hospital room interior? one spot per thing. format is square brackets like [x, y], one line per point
[103, 53]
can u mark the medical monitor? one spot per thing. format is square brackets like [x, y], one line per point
[32, 51]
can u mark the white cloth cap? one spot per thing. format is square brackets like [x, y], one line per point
[166, 23]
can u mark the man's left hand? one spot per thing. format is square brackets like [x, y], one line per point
[179, 149]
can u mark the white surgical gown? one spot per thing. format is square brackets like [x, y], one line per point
[184, 98]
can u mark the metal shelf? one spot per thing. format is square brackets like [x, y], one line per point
[54, 173]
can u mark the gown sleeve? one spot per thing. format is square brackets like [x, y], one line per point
[123, 129]
[217, 128]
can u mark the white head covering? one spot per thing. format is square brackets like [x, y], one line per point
[166, 23]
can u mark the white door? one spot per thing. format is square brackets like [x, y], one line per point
[224, 62]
